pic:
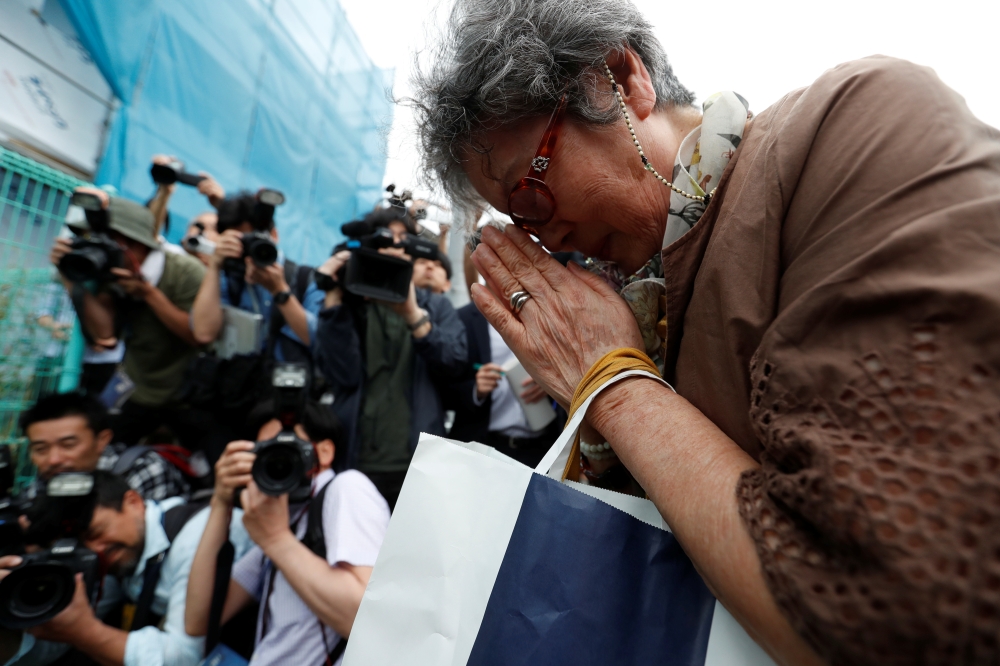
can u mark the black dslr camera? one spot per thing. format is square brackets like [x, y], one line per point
[173, 172]
[94, 252]
[257, 244]
[284, 462]
[373, 274]
[44, 583]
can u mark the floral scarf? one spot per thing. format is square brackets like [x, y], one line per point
[698, 167]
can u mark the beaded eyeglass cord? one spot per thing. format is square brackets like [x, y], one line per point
[645, 161]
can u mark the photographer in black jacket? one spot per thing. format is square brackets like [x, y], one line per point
[382, 361]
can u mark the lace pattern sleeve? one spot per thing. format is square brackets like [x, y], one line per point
[875, 507]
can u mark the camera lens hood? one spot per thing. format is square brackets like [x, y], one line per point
[35, 593]
[84, 263]
[278, 468]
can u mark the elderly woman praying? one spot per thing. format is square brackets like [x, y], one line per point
[820, 282]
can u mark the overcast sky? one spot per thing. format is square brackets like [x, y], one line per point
[761, 50]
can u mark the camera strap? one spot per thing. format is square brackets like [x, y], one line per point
[172, 520]
[220, 588]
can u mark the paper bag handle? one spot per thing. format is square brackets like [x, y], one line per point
[557, 455]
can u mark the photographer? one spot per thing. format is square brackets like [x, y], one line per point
[487, 409]
[167, 171]
[148, 547]
[236, 278]
[202, 232]
[433, 274]
[68, 432]
[308, 570]
[121, 280]
[382, 361]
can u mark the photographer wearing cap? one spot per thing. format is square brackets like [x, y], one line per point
[122, 282]
[310, 567]
[383, 360]
[148, 547]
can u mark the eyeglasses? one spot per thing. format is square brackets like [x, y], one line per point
[530, 203]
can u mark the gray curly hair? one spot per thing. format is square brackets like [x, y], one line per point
[502, 61]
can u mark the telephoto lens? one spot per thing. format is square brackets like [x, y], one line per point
[199, 244]
[282, 464]
[86, 261]
[260, 248]
[173, 172]
[44, 584]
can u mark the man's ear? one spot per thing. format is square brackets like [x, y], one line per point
[133, 501]
[274, 234]
[103, 439]
[325, 452]
[634, 83]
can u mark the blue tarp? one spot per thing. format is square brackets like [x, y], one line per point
[277, 93]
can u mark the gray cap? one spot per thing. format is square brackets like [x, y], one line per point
[128, 218]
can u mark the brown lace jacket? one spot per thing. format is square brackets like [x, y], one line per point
[837, 313]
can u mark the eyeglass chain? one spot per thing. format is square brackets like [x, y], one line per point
[645, 161]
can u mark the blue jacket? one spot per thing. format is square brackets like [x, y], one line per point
[439, 358]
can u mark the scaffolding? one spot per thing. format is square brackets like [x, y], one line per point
[40, 341]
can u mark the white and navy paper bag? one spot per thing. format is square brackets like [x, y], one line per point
[490, 563]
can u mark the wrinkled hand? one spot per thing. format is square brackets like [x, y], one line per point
[532, 392]
[133, 284]
[265, 517]
[232, 471]
[211, 189]
[571, 320]
[270, 277]
[487, 378]
[74, 620]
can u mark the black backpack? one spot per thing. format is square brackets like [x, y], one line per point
[238, 383]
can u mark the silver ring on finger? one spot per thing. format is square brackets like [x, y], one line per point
[518, 299]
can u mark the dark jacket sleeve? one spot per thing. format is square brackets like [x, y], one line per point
[445, 348]
[338, 348]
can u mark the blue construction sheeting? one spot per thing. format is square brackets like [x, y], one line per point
[278, 94]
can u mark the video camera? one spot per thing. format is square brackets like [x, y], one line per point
[257, 244]
[198, 244]
[44, 583]
[373, 274]
[94, 253]
[173, 172]
[284, 462]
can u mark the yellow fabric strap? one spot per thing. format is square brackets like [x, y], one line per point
[607, 367]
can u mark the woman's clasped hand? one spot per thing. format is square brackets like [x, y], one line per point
[571, 320]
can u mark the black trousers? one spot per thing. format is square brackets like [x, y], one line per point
[195, 429]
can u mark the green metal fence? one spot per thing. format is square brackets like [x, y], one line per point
[40, 342]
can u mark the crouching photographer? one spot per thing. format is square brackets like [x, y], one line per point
[383, 345]
[147, 547]
[317, 534]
